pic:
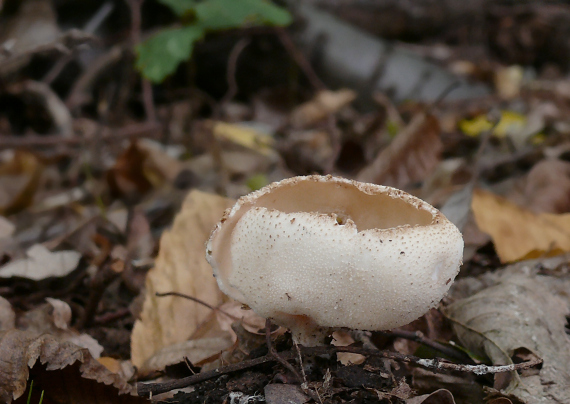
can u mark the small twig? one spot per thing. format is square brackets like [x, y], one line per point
[89, 28]
[278, 357]
[149, 389]
[231, 70]
[300, 59]
[146, 85]
[145, 129]
[103, 278]
[152, 389]
[113, 316]
[446, 91]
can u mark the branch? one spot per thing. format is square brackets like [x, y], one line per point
[150, 389]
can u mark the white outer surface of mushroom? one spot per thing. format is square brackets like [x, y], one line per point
[321, 252]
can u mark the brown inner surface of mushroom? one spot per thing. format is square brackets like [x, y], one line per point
[368, 211]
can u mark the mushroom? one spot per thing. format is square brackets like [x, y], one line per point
[317, 253]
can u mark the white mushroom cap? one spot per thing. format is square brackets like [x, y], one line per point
[320, 252]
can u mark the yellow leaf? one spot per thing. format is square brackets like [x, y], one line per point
[244, 136]
[519, 233]
[181, 267]
[510, 123]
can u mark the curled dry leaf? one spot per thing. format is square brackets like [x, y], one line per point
[411, 156]
[519, 311]
[63, 371]
[61, 314]
[54, 318]
[41, 263]
[519, 233]
[180, 267]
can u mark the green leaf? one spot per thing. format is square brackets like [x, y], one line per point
[227, 14]
[180, 7]
[257, 181]
[161, 54]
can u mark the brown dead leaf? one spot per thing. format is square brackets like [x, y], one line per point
[411, 156]
[19, 179]
[7, 315]
[519, 233]
[181, 267]
[126, 178]
[159, 165]
[325, 102]
[197, 351]
[65, 372]
[519, 311]
[54, 318]
[548, 187]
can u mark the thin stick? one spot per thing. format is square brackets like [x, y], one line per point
[276, 355]
[149, 389]
[231, 70]
[146, 85]
[145, 129]
[300, 59]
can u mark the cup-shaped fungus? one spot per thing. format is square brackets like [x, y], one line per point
[321, 252]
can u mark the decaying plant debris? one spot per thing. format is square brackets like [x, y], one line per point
[127, 127]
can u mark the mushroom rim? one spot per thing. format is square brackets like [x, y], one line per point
[412, 204]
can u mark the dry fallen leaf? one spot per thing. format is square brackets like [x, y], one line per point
[159, 165]
[519, 233]
[41, 263]
[54, 318]
[324, 103]
[181, 267]
[343, 338]
[518, 311]
[19, 179]
[7, 315]
[548, 186]
[196, 351]
[411, 156]
[127, 177]
[65, 372]
[245, 136]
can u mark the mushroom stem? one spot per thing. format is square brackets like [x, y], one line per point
[305, 331]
